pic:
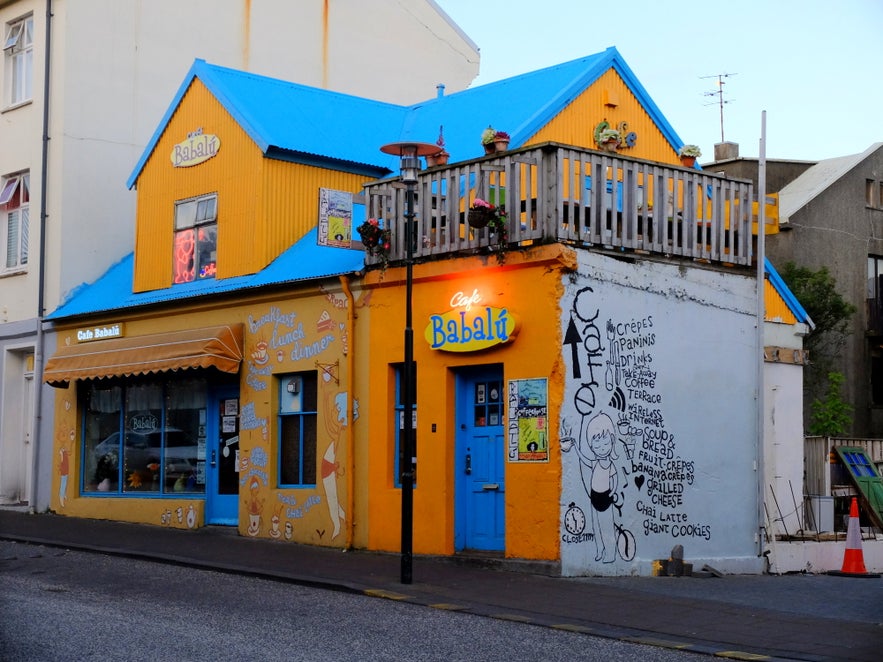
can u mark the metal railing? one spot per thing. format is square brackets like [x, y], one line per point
[559, 193]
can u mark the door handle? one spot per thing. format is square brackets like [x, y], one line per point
[214, 458]
[468, 468]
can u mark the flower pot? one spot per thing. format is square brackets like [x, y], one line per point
[501, 145]
[479, 218]
[610, 145]
[439, 159]
[688, 161]
[489, 148]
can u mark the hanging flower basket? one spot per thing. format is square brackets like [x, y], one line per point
[480, 217]
[375, 239]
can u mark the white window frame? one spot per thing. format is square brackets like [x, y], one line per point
[18, 51]
[15, 222]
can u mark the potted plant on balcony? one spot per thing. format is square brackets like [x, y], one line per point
[501, 141]
[482, 214]
[375, 239]
[442, 156]
[487, 140]
[609, 139]
[689, 154]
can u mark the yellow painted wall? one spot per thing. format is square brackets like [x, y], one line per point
[575, 124]
[529, 286]
[264, 205]
[289, 324]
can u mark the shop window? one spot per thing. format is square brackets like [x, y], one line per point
[18, 47]
[297, 429]
[144, 437]
[196, 239]
[399, 417]
[14, 204]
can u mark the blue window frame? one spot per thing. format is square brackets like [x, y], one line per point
[297, 429]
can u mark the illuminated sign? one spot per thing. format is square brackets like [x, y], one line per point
[100, 332]
[197, 148]
[469, 327]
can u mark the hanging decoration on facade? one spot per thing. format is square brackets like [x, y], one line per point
[611, 139]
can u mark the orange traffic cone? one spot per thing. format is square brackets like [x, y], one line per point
[853, 559]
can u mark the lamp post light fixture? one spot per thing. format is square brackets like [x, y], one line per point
[409, 154]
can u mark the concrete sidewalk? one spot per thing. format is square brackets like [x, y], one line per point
[801, 616]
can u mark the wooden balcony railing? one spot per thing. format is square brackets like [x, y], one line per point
[554, 192]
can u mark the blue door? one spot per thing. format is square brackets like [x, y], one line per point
[479, 475]
[222, 457]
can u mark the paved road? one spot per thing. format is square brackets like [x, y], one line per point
[58, 605]
[803, 617]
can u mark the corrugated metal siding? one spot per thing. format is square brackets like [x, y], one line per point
[264, 205]
[238, 164]
[575, 124]
[291, 192]
[776, 310]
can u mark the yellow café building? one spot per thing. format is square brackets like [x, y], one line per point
[244, 365]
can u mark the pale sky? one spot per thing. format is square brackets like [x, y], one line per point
[814, 66]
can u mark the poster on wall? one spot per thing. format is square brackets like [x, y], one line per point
[335, 218]
[527, 429]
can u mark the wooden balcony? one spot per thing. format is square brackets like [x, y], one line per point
[559, 193]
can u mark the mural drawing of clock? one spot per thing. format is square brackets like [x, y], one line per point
[574, 519]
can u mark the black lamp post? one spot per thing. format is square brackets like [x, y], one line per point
[409, 153]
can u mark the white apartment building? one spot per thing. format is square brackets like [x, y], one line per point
[84, 84]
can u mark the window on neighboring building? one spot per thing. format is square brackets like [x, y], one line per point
[297, 429]
[196, 238]
[874, 295]
[14, 199]
[144, 436]
[399, 413]
[18, 47]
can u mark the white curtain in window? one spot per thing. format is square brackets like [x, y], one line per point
[12, 221]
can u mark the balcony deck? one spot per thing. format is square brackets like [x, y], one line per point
[560, 193]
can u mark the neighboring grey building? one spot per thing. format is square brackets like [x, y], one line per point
[82, 86]
[831, 215]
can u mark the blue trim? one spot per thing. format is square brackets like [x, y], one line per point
[787, 295]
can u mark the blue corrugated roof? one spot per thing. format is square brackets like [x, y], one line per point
[304, 261]
[313, 125]
[316, 124]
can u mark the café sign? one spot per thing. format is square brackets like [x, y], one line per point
[469, 326]
[100, 332]
[197, 148]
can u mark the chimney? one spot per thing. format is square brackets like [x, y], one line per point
[726, 151]
[440, 90]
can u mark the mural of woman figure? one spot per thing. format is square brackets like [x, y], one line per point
[597, 450]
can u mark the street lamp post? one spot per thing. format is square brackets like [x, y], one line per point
[409, 153]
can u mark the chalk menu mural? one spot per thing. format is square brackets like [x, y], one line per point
[631, 486]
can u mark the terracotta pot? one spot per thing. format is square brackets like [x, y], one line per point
[501, 145]
[688, 161]
[439, 159]
[489, 148]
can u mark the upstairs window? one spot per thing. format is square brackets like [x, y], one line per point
[874, 294]
[14, 217]
[196, 239]
[18, 47]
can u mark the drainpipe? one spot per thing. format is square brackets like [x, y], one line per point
[350, 414]
[38, 351]
[761, 317]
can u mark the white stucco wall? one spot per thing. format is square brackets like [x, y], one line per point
[666, 354]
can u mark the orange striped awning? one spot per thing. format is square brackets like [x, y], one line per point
[213, 347]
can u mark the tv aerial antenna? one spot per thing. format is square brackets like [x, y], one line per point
[719, 93]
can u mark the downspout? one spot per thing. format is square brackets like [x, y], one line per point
[38, 350]
[761, 318]
[350, 414]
